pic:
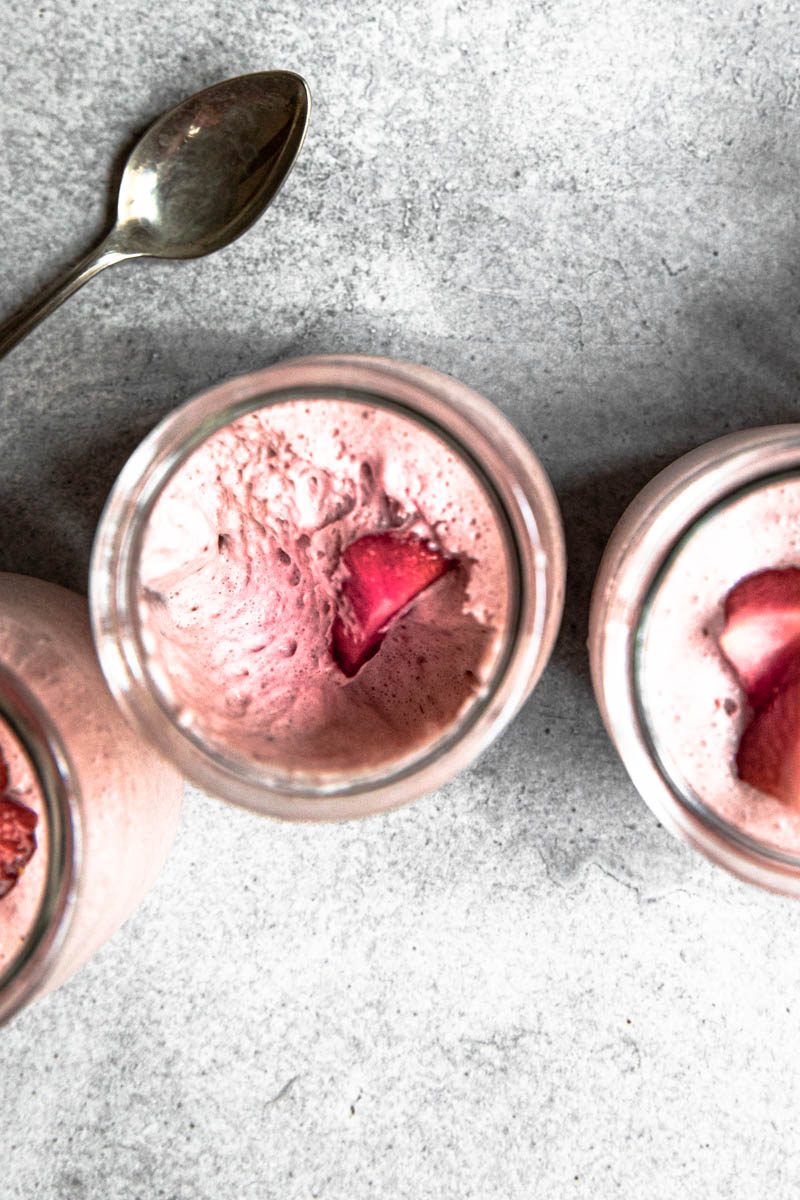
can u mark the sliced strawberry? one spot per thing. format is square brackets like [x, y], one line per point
[768, 757]
[762, 620]
[384, 572]
[17, 841]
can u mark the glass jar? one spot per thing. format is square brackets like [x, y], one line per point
[472, 431]
[675, 713]
[108, 807]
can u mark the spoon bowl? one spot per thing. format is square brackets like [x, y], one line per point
[195, 181]
[207, 169]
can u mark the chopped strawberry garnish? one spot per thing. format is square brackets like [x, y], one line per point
[384, 572]
[17, 841]
[762, 621]
[761, 640]
[768, 757]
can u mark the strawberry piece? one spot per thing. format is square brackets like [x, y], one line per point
[768, 757]
[385, 571]
[761, 640]
[762, 622]
[17, 841]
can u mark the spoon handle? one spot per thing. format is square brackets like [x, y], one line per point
[17, 327]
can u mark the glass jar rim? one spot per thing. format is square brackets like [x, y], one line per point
[752, 849]
[412, 392]
[29, 969]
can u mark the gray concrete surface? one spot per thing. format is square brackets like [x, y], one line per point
[521, 987]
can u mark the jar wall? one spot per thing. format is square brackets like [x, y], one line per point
[128, 802]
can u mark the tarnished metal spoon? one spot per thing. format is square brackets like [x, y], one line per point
[197, 179]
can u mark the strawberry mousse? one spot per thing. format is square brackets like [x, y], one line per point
[323, 587]
[719, 665]
[124, 800]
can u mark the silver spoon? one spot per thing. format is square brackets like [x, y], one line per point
[198, 178]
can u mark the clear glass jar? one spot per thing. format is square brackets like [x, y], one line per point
[708, 491]
[526, 512]
[108, 806]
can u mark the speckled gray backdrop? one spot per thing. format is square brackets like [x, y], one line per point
[521, 987]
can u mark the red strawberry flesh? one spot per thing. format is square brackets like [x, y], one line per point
[761, 640]
[17, 841]
[768, 757]
[762, 622]
[384, 573]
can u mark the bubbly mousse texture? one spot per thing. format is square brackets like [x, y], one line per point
[241, 578]
[18, 907]
[695, 705]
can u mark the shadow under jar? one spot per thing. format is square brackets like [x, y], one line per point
[220, 565]
[106, 806]
[671, 702]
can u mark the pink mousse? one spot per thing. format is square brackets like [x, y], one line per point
[127, 800]
[241, 572]
[696, 707]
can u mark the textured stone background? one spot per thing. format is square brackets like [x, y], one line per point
[521, 987]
